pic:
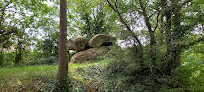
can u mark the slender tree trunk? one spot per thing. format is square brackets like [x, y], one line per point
[153, 47]
[162, 26]
[173, 34]
[1, 58]
[62, 52]
[169, 54]
[18, 57]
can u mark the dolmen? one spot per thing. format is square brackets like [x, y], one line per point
[89, 50]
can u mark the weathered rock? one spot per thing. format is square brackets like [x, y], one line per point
[77, 43]
[101, 40]
[89, 55]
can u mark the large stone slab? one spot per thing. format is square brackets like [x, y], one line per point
[100, 39]
[77, 43]
[89, 55]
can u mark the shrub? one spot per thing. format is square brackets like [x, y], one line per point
[47, 84]
[189, 75]
[124, 73]
[42, 61]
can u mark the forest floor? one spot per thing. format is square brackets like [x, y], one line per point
[25, 78]
[102, 76]
[42, 78]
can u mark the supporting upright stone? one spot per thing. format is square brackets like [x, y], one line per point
[89, 55]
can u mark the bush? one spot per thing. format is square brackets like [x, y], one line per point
[8, 59]
[189, 75]
[51, 60]
[48, 84]
[125, 74]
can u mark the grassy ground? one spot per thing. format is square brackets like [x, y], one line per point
[24, 78]
[39, 78]
[92, 77]
[29, 71]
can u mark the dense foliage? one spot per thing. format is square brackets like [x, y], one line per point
[160, 43]
[21, 24]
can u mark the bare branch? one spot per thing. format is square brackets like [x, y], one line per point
[151, 15]
[94, 16]
[148, 24]
[124, 23]
[116, 4]
[137, 9]
[157, 20]
[111, 6]
[145, 4]
[154, 12]
[153, 47]
[194, 42]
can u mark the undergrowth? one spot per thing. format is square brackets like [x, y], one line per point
[118, 74]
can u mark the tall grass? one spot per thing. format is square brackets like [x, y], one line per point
[46, 70]
[26, 71]
[40, 77]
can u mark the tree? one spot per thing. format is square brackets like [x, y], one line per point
[167, 18]
[23, 16]
[87, 18]
[62, 51]
[96, 24]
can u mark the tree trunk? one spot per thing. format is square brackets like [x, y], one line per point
[62, 52]
[153, 46]
[1, 58]
[18, 57]
[173, 34]
[162, 26]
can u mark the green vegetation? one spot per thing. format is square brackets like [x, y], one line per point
[25, 78]
[159, 47]
[108, 75]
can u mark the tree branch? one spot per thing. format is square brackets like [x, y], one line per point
[111, 6]
[116, 4]
[157, 20]
[193, 43]
[145, 16]
[151, 15]
[124, 23]
[138, 10]
[153, 46]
